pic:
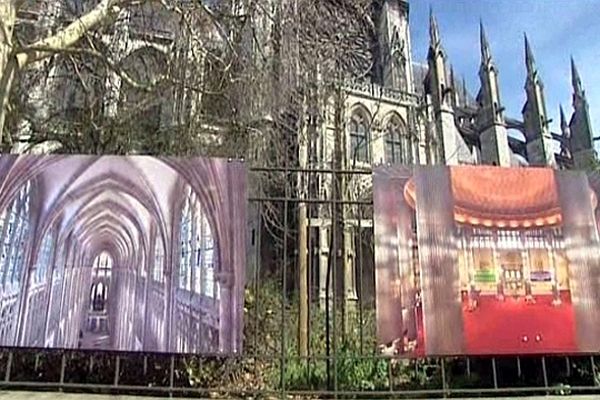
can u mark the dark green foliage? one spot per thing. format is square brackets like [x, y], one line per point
[271, 363]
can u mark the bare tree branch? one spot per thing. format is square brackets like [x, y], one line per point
[72, 33]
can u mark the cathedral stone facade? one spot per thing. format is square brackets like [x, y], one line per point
[423, 114]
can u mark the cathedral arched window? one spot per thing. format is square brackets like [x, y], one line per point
[98, 296]
[3, 221]
[10, 224]
[14, 238]
[159, 260]
[207, 265]
[44, 258]
[186, 235]
[198, 258]
[398, 147]
[103, 264]
[358, 130]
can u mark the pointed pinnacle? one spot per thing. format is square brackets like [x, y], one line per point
[434, 32]
[564, 125]
[563, 119]
[575, 79]
[529, 59]
[486, 54]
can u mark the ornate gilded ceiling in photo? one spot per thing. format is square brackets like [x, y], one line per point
[502, 197]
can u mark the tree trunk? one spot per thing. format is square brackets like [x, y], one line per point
[7, 62]
[12, 60]
[303, 267]
[338, 207]
[303, 280]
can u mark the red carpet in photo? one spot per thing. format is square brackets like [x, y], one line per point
[515, 327]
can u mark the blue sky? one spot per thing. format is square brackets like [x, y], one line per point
[556, 30]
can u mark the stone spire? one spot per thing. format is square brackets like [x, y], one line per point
[537, 132]
[576, 80]
[582, 137]
[436, 59]
[529, 59]
[563, 119]
[434, 32]
[565, 145]
[490, 117]
[486, 54]
[439, 87]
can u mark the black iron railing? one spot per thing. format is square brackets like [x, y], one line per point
[343, 359]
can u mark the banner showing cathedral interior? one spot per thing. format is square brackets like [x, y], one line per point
[122, 253]
[476, 260]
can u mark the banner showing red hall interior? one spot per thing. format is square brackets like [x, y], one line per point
[122, 253]
[475, 260]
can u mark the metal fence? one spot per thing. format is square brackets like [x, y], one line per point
[343, 359]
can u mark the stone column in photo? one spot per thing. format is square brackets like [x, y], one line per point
[226, 287]
[556, 300]
[500, 279]
[406, 267]
[526, 264]
[438, 255]
[388, 184]
[395, 261]
[582, 248]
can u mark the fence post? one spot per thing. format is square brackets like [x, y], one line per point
[117, 370]
[594, 372]
[63, 364]
[284, 280]
[444, 382]
[494, 373]
[545, 372]
[8, 367]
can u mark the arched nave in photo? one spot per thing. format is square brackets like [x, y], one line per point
[122, 253]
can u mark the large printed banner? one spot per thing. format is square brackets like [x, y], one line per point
[475, 260]
[122, 253]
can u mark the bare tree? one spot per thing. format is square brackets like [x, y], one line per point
[256, 78]
[129, 55]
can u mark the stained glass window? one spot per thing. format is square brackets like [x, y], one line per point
[397, 143]
[197, 262]
[159, 257]
[359, 138]
[186, 233]
[44, 258]
[13, 246]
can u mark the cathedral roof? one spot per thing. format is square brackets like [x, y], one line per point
[420, 71]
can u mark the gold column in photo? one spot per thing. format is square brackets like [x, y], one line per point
[497, 268]
[526, 265]
[550, 243]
